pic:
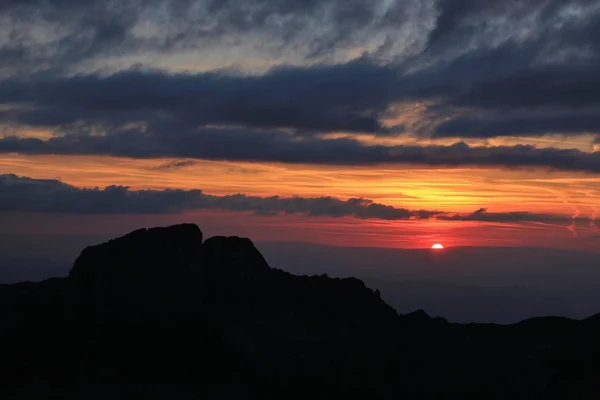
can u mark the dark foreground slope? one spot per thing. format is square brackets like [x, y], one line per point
[162, 309]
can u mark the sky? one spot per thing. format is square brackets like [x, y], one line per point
[373, 123]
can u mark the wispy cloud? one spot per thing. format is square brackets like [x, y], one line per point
[178, 164]
[53, 34]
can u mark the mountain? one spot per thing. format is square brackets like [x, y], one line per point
[163, 313]
[462, 284]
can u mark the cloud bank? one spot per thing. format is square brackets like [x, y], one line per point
[282, 147]
[479, 70]
[52, 196]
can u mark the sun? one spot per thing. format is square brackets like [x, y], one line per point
[437, 246]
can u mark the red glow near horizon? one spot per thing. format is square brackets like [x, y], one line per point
[343, 231]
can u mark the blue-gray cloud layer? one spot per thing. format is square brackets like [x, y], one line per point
[58, 34]
[346, 97]
[485, 69]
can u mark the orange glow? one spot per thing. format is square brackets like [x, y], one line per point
[448, 189]
[344, 231]
[461, 190]
[437, 246]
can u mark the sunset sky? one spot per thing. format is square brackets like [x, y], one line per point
[388, 123]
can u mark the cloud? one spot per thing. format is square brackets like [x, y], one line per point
[469, 20]
[54, 34]
[522, 67]
[347, 97]
[482, 214]
[510, 99]
[537, 123]
[50, 34]
[565, 84]
[176, 164]
[52, 196]
[278, 146]
[47, 195]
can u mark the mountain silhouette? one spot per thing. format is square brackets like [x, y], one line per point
[161, 308]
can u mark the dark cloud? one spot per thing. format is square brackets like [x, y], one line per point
[569, 85]
[53, 196]
[515, 75]
[508, 62]
[483, 215]
[546, 64]
[176, 164]
[46, 195]
[544, 121]
[351, 97]
[277, 146]
[346, 97]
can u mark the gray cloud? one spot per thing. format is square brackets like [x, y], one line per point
[468, 20]
[507, 61]
[46, 195]
[545, 64]
[176, 164]
[482, 214]
[53, 196]
[351, 97]
[570, 85]
[55, 33]
[537, 123]
[49, 34]
[277, 146]
[347, 97]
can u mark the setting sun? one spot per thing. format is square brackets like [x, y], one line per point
[437, 246]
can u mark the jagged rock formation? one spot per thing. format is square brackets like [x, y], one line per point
[159, 306]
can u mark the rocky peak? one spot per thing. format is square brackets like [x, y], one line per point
[159, 252]
[141, 253]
